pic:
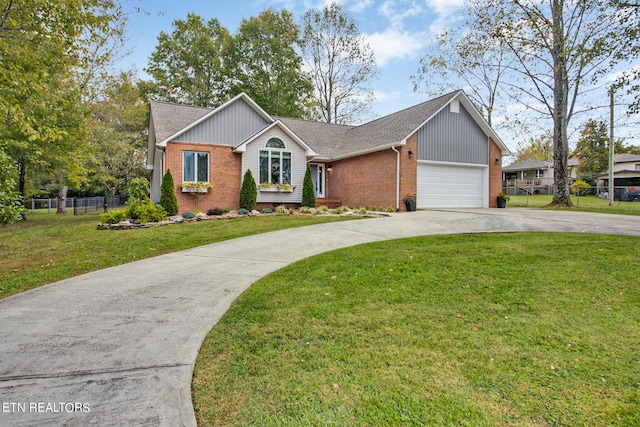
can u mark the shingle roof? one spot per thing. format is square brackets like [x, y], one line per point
[623, 158]
[168, 119]
[330, 141]
[526, 165]
[338, 141]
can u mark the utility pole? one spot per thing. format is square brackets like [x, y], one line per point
[611, 146]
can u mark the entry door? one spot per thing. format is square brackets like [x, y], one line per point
[317, 174]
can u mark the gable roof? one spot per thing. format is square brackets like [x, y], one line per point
[340, 141]
[328, 141]
[176, 119]
[169, 119]
[242, 147]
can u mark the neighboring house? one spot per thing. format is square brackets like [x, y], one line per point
[626, 176]
[532, 176]
[442, 151]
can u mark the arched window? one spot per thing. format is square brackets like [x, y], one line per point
[275, 163]
[275, 143]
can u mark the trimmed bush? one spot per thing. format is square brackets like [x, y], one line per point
[308, 193]
[266, 211]
[248, 192]
[215, 212]
[188, 215]
[242, 211]
[148, 212]
[282, 209]
[168, 198]
[114, 216]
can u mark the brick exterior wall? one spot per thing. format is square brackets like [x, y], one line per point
[224, 176]
[370, 179]
[495, 173]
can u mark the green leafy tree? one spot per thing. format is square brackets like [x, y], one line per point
[168, 198]
[248, 192]
[187, 64]
[263, 62]
[540, 148]
[342, 65]
[46, 49]
[308, 192]
[10, 201]
[592, 149]
[117, 135]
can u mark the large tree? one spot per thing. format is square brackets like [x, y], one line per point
[561, 48]
[187, 65]
[465, 57]
[118, 124]
[263, 62]
[539, 148]
[45, 49]
[342, 65]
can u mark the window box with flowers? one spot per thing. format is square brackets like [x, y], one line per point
[196, 189]
[267, 187]
[502, 200]
[410, 202]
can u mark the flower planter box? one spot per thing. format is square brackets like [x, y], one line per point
[195, 189]
[276, 190]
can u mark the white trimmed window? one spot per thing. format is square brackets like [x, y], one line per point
[275, 163]
[195, 166]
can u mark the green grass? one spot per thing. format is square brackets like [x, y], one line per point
[48, 247]
[472, 330]
[585, 204]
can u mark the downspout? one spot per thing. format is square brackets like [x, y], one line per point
[397, 178]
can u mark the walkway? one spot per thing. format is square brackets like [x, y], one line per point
[117, 346]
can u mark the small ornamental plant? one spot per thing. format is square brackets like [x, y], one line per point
[504, 196]
[409, 198]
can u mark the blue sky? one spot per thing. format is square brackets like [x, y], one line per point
[399, 32]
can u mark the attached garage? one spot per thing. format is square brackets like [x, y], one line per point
[452, 185]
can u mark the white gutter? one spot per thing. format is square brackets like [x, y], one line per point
[397, 178]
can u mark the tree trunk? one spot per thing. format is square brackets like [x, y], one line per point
[560, 105]
[62, 200]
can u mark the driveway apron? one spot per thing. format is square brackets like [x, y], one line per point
[117, 346]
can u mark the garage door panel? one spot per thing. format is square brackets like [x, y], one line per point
[451, 186]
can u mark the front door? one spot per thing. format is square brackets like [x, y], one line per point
[317, 174]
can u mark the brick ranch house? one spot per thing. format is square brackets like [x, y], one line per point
[442, 150]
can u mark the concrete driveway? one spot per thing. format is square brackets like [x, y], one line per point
[117, 346]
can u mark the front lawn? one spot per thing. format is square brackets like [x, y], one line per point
[476, 330]
[584, 203]
[48, 247]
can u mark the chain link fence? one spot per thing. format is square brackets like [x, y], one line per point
[79, 205]
[620, 193]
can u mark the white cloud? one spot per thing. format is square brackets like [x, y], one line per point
[396, 15]
[360, 6]
[394, 44]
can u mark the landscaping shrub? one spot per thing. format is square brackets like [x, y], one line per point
[282, 209]
[266, 211]
[168, 198]
[580, 187]
[139, 189]
[214, 212]
[308, 193]
[148, 212]
[188, 215]
[242, 211]
[114, 216]
[248, 192]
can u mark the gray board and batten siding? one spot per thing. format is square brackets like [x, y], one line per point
[230, 126]
[453, 137]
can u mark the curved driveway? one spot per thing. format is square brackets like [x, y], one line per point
[117, 346]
